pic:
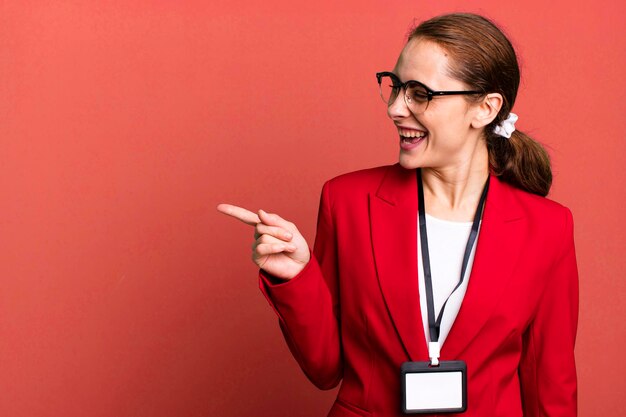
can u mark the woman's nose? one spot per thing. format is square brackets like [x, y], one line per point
[398, 109]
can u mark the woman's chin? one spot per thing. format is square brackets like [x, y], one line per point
[408, 163]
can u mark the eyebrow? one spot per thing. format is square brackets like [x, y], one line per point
[393, 72]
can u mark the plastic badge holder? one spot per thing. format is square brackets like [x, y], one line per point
[434, 389]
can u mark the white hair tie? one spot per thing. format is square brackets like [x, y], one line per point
[507, 127]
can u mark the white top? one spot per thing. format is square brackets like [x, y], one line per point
[446, 245]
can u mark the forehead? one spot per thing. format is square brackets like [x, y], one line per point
[427, 62]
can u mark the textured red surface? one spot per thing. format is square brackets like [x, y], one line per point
[124, 292]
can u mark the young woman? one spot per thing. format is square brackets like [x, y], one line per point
[450, 260]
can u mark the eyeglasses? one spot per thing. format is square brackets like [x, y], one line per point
[416, 95]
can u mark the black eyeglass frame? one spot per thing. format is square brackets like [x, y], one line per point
[430, 93]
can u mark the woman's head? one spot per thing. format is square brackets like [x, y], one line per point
[439, 126]
[473, 55]
[480, 55]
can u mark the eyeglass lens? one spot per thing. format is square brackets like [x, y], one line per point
[416, 94]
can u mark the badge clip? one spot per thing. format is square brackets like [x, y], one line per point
[434, 351]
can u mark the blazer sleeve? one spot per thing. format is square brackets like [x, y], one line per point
[547, 367]
[308, 305]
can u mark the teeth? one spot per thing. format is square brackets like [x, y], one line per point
[407, 133]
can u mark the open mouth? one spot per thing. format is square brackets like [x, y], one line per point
[411, 140]
[410, 137]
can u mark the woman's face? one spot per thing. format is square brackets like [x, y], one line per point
[449, 139]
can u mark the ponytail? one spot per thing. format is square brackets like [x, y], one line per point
[520, 161]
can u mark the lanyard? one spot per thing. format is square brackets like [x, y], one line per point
[435, 325]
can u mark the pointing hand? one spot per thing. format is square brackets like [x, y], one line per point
[279, 248]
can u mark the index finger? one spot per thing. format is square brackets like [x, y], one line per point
[240, 213]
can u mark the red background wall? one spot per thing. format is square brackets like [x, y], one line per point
[124, 292]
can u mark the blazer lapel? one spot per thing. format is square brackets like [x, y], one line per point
[393, 222]
[497, 252]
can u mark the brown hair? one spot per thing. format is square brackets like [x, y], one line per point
[483, 58]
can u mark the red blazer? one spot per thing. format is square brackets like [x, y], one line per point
[353, 313]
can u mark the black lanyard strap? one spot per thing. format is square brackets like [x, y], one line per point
[434, 326]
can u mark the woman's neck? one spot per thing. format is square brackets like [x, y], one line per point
[453, 192]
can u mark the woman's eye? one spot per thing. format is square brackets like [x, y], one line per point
[419, 95]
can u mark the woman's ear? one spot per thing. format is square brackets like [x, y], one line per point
[487, 110]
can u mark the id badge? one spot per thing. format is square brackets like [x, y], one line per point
[434, 389]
